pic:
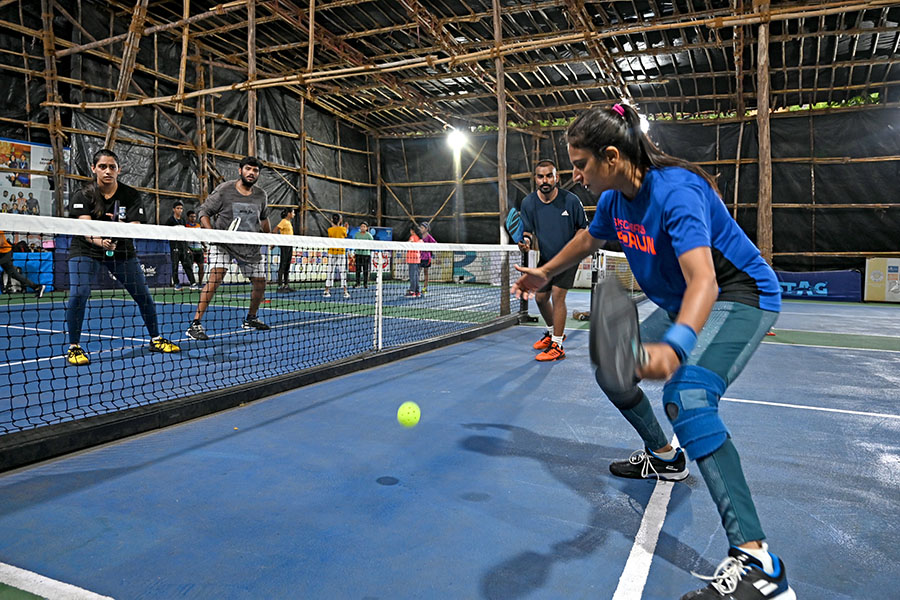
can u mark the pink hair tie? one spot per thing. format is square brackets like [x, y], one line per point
[619, 109]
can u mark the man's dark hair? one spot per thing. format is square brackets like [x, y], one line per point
[545, 163]
[285, 212]
[177, 204]
[335, 218]
[251, 161]
[191, 212]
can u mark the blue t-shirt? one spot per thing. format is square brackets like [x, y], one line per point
[554, 224]
[675, 211]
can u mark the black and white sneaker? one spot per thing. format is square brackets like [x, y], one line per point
[741, 577]
[254, 323]
[643, 464]
[196, 332]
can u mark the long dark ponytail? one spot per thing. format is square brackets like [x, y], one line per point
[620, 126]
[92, 190]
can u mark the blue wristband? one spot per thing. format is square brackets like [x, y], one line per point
[682, 339]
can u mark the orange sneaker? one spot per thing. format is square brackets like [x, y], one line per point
[544, 342]
[554, 352]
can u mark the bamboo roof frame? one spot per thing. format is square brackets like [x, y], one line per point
[412, 68]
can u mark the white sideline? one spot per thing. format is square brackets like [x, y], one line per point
[44, 586]
[637, 567]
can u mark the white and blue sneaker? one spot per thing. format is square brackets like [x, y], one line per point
[742, 577]
[643, 464]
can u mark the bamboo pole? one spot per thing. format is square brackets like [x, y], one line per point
[379, 198]
[502, 189]
[202, 158]
[251, 77]
[764, 208]
[59, 165]
[129, 55]
[312, 35]
[156, 126]
[737, 171]
[185, 38]
[304, 182]
[220, 9]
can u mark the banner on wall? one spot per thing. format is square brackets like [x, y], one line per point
[883, 280]
[821, 285]
[27, 193]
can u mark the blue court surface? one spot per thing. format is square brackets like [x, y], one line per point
[307, 331]
[501, 492]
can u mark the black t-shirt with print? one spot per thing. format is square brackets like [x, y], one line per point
[131, 209]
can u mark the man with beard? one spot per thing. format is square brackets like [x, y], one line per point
[239, 206]
[553, 216]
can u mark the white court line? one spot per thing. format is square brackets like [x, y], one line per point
[843, 315]
[818, 408]
[84, 334]
[875, 335]
[792, 345]
[637, 567]
[44, 586]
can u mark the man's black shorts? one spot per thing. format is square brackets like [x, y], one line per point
[563, 280]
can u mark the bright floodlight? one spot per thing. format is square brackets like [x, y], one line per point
[645, 124]
[456, 139]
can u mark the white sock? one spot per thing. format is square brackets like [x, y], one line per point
[557, 338]
[763, 556]
[550, 331]
[666, 455]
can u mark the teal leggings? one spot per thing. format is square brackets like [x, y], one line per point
[728, 340]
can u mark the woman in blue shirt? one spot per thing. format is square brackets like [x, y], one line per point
[717, 298]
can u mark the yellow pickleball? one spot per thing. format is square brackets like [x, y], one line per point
[408, 414]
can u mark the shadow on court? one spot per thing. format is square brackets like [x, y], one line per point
[582, 468]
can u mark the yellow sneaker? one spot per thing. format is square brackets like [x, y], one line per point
[76, 356]
[161, 344]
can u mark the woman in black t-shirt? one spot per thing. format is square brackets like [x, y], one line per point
[105, 199]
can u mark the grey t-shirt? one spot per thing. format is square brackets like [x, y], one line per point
[225, 204]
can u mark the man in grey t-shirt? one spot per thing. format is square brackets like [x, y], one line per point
[240, 206]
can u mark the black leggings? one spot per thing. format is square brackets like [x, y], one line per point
[363, 262]
[186, 258]
[6, 263]
[284, 267]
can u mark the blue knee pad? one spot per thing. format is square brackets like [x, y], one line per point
[691, 399]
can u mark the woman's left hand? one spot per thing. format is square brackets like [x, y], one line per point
[662, 364]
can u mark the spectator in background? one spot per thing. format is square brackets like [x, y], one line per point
[413, 259]
[337, 257]
[197, 248]
[284, 227]
[181, 253]
[10, 270]
[425, 258]
[363, 257]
